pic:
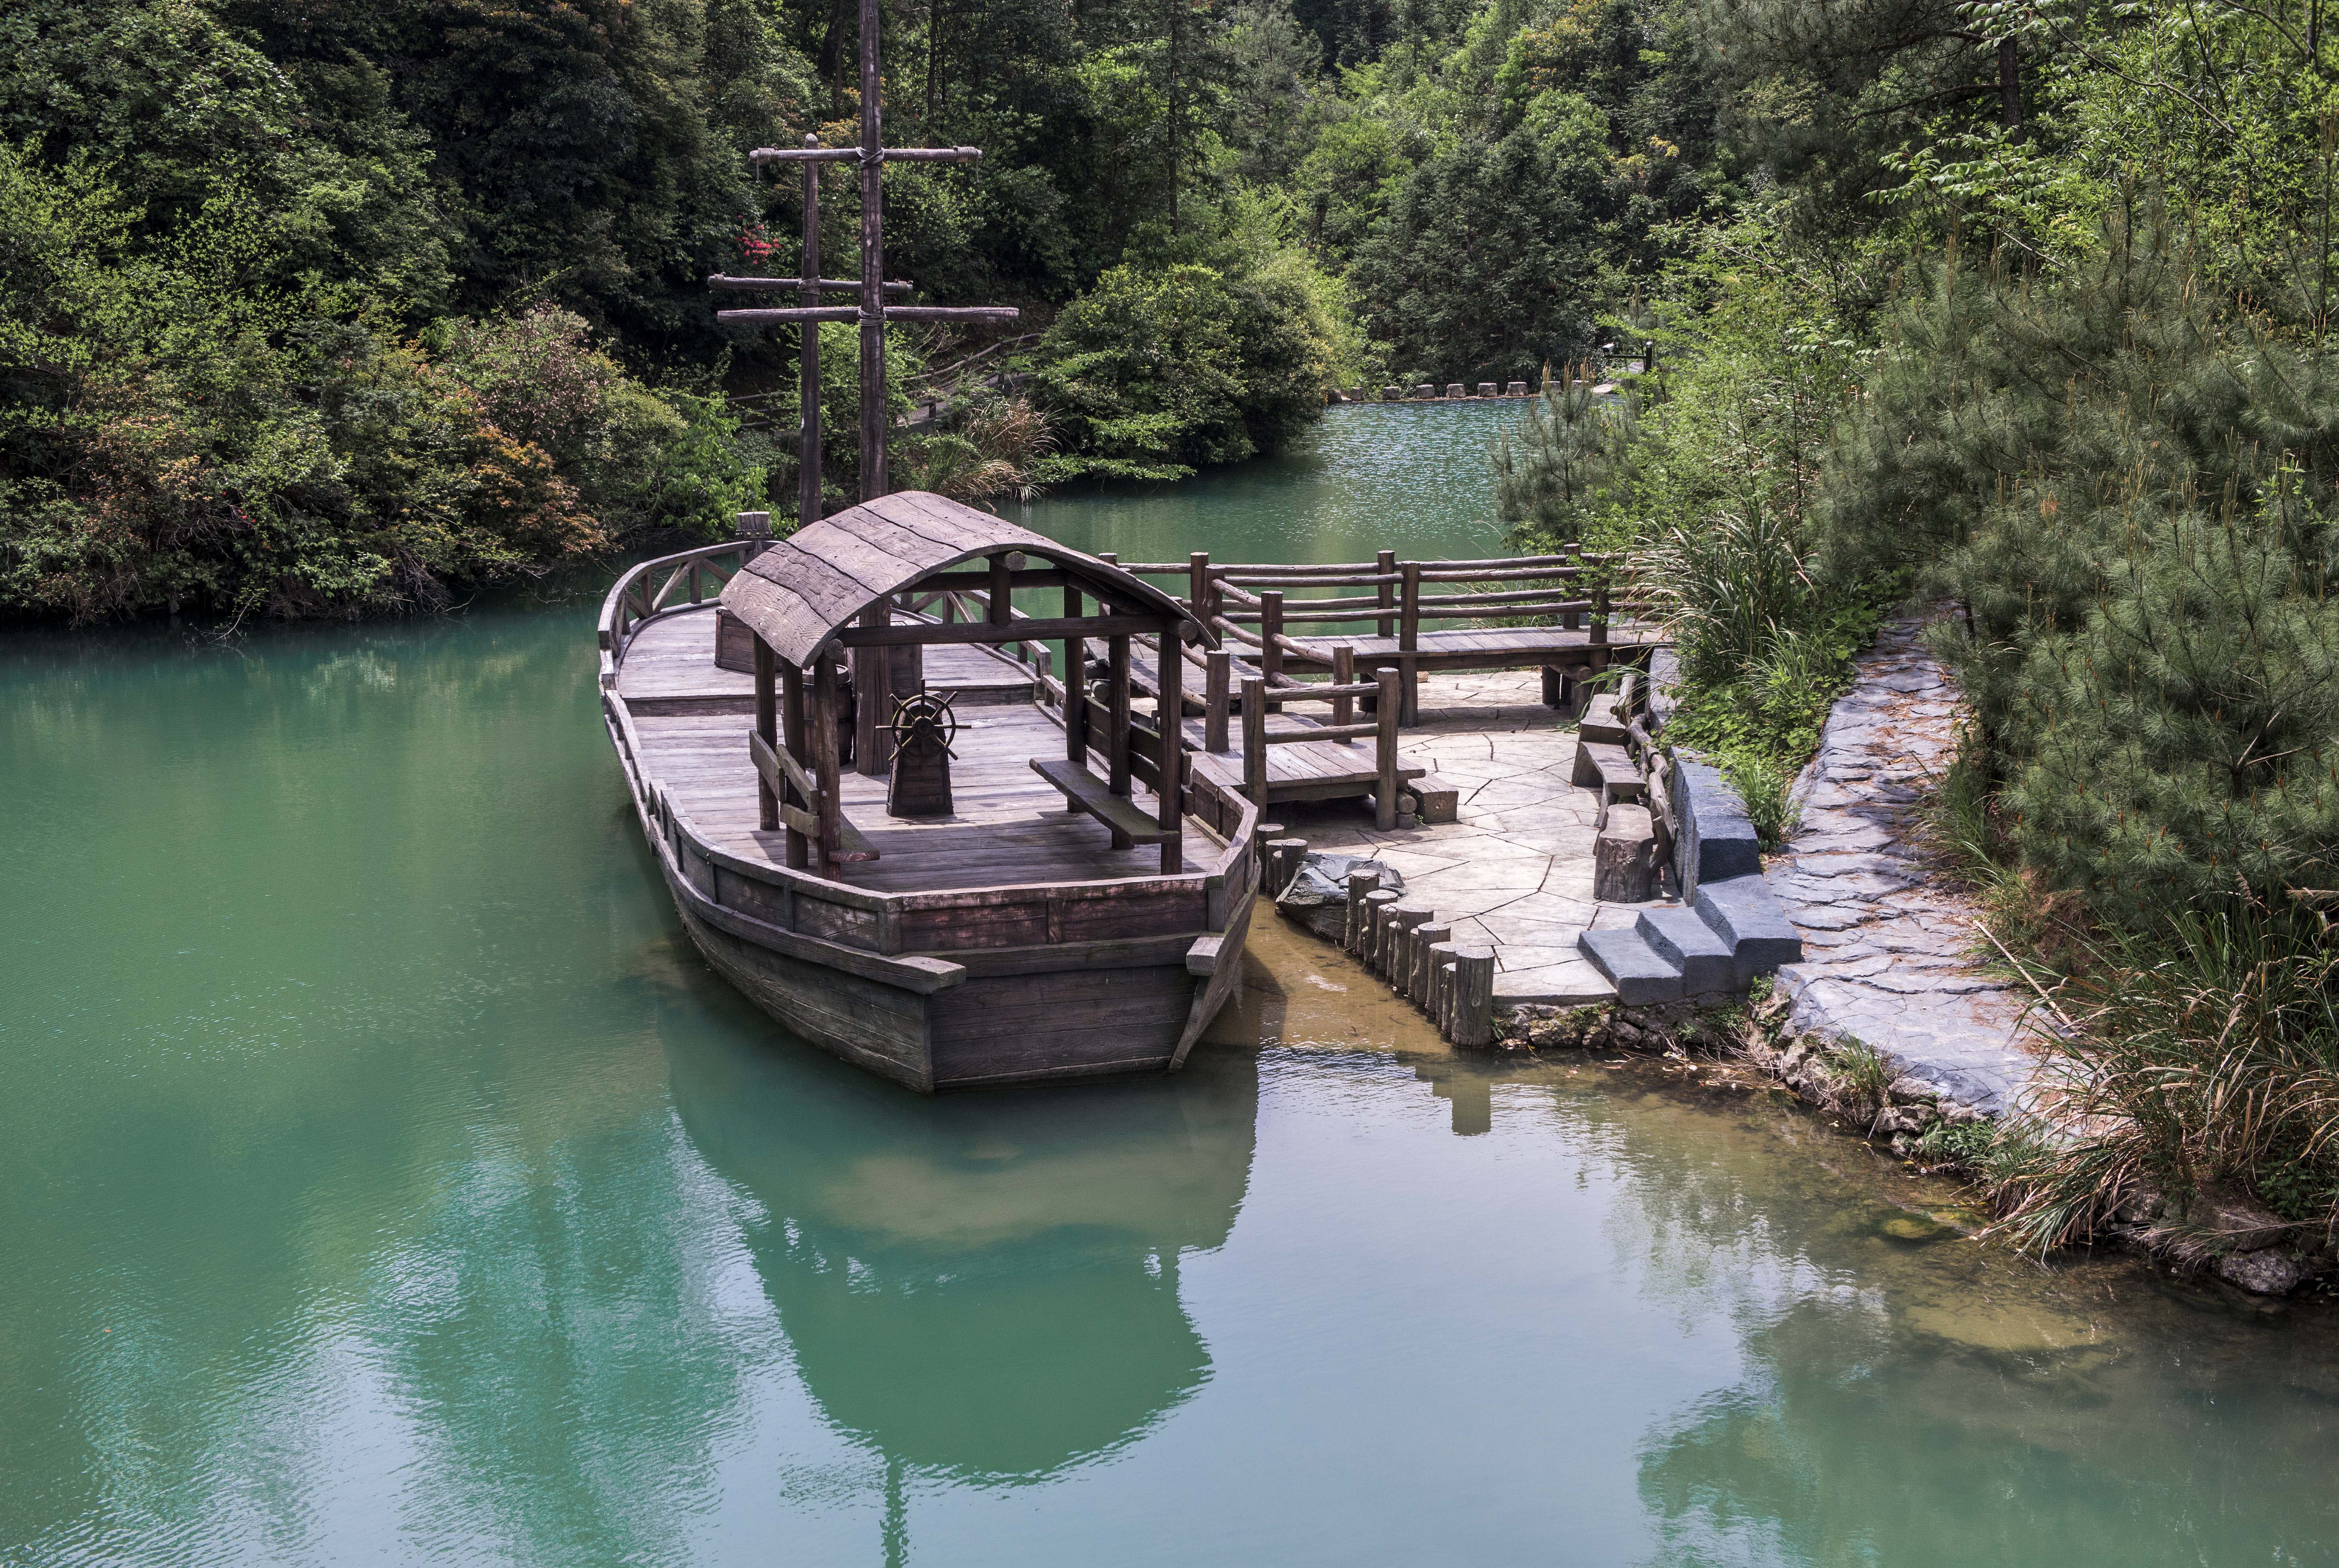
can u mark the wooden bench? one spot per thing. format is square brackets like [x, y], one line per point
[1083, 791]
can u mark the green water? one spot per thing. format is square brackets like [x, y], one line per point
[386, 1181]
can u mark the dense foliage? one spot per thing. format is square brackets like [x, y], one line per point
[2024, 305]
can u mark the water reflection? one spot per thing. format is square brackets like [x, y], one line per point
[1909, 1396]
[979, 1285]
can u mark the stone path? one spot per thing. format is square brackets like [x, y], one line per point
[1516, 872]
[1886, 941]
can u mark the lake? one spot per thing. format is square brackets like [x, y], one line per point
[389, 1181]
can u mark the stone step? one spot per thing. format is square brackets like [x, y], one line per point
[1600, 721]
[1746, 914]
[1641, 975]
[1680, 937]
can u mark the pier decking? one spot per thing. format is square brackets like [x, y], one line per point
[1514, 871]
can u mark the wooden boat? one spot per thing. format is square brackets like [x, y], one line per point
[1069, 918]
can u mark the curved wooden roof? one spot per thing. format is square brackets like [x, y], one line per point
[811, 585]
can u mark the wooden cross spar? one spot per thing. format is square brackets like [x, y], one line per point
[872, 312]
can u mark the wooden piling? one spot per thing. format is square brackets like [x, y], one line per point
[1405, 919]
[1473, 997]
[1284, 858]
[1417, 981]
[1377, 904]
[1360, 885]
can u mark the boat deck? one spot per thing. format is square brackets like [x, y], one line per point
[1009, 827]
[670, 669]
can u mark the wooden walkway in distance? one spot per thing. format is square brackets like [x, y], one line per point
[1007, 825]
[1479, 648]
[1299, 770]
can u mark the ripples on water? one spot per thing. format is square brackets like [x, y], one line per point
[389, 1181]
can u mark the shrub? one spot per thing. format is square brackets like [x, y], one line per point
[1156, 372]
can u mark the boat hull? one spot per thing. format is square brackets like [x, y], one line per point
[1094, 1021]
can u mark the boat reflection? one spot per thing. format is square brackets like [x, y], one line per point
[983, 1286]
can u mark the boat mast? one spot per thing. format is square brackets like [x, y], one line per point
[873, 312]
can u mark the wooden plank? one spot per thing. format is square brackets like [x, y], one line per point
[1092, 795]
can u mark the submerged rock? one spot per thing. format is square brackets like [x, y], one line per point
[2270, 1272]
[1317, 897]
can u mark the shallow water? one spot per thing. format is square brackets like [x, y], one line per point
[388, 1181]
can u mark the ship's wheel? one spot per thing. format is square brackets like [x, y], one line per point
[923, 726]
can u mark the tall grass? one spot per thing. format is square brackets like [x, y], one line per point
[2206, 1056]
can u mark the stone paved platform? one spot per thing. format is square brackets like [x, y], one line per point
[1516, 872]
[1888, 943]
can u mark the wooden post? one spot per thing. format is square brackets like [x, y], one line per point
[825, 764]
[1270, 652]
[808, 435]
[1424, 938]
[1408, 642]
[1075, 690]
[1002, 591]
[1170, 714]
[1384, 566]
[872, 682]
[792, 730]
[1116, 710]
[1344, 708]
[1405, 919]
[1441, 985]
[1360, 883]
[1198, 583]
[1254, 705]
[767, 725]
[1373, 929]
[1284, 858]
[1385, 791]
[1473, 996]
[874, 419]
[1217, 674]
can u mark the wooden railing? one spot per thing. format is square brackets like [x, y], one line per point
[1640, 739]
[631, 600]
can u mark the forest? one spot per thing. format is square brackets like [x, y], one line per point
[2018, 307]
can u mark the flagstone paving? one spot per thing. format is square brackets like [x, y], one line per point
[1889, 943]
[1515, 871]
